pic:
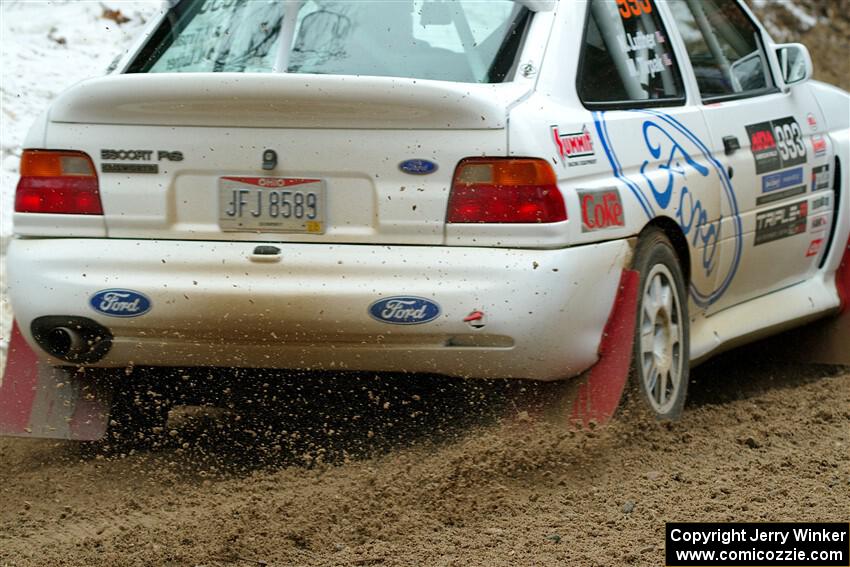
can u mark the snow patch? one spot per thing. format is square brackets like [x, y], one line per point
[45, 47]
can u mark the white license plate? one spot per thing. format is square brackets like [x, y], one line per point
[271, 204]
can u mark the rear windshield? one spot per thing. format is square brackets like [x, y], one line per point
[466, 41]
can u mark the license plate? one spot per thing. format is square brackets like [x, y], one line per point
[271, 204]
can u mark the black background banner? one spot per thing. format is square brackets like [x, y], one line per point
[758, 544]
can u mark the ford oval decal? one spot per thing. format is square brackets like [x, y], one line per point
[418, 166]
[404, 310]
[120, 303]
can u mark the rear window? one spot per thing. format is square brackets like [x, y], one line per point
[465, 41]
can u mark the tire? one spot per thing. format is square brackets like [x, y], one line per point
[660, 360]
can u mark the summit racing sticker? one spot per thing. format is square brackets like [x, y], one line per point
[574, 148]
[776, 144]
[781, 222]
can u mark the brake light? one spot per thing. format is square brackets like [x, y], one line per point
[59, 182]
[505, 190]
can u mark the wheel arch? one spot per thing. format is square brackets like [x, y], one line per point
[677, 238]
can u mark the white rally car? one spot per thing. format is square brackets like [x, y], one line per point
[475, 189]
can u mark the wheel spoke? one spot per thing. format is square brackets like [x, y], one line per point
[656, 290]
[652, 374]
[667, 299]
[662, 389]
[674, 334]
[647, 341]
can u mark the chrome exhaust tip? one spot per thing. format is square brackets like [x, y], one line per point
[73, 339]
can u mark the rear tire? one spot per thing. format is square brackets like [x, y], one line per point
[660, 361]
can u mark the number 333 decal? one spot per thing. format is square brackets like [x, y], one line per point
[776, 144]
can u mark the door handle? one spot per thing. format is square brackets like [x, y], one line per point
[730, 144]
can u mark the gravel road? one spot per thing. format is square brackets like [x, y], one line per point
[424, 471]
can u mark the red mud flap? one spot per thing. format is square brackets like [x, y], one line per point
[38, 400]
[600, 389]
[826, 341]
[593, 397]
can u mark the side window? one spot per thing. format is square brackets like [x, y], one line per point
[724, 48]
[626, 57]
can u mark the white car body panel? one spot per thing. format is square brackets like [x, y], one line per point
[546, 289]
[216, 306]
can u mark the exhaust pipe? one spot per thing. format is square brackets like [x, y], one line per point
[73, 339]
[65, 342]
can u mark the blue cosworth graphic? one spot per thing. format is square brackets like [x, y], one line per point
[120, 303]
[664, 139]
[404, 310]
[781, 180]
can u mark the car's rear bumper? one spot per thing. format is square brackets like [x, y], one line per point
[213, 306]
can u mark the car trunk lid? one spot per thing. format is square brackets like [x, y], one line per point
[170, 151]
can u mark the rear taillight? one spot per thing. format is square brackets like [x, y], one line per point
[59, 182]
[505, 190]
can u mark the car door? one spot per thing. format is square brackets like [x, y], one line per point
[767, 140]
[650, 142]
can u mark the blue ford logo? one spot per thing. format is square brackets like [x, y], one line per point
[418, 166]
[120, 303]
[404, 310]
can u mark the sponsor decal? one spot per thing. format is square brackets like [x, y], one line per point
[574, 148]
[819, 224]
[819, 145]
[475, 319]
[776, 144]
[820, 202]
[120, 303]
[418, 166]
[781, 222]
[780, 195]
[675, 158]
[781, 180]
[404, 310]
[601, 209]
[774, 186]
[820, 177]
[813, 122]
[814, 247]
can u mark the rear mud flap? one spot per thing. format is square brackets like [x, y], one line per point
[823, 342]
[39, 400]
[600, 389]
[593, 398]
[826, 341]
